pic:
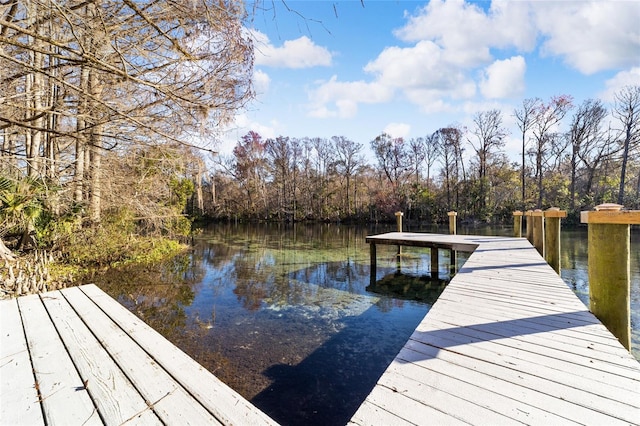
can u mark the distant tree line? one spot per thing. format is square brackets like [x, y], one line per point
[573, 157]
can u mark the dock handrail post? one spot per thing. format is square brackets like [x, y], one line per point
[399, 252]
[529, 225]
[552, 218]
[517, 224]
[538, 230]
[609, 249]
[453, 230]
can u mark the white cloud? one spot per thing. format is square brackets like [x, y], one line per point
[460, 47]
[591, 36]
[397, 130]
[346, 96]
[504, 78]
[261, 81]
[466, 33]
[299, 53]
[624, 78]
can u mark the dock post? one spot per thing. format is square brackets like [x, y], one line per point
[399, 252]
[538, 230]
[373, 262]
[452, 222]
[529, 226]
[552, 218]
[517, 224]
[453, 229]
[609, 274]
[435, 269]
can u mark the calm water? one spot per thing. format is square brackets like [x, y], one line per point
[285, 314]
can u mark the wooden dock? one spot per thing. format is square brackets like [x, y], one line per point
[78, 357]
[507, 342]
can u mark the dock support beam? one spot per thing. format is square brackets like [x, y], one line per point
[517, 224]
[552, 218]
[399, 252]
[538, 230]
[435, 267]
[609, 274]
[453, 230]
[373, 262]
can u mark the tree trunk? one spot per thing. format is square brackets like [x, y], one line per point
[623, 169]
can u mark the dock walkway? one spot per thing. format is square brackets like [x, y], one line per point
[78, 357]
[507, 342]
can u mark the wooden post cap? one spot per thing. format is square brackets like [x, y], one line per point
[528, 212]
[452, 213]
[399, 213]
[612, 207]
[555, 212]
[611, 213]
[537, 213]
[518, 213]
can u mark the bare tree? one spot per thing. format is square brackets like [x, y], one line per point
[431, 151]
[525, 120]
[393, 159]
[588, 143]
[627, 111]
[489, 139]
[348, 160]
[130, 73]
[449, 141]
[546, 117]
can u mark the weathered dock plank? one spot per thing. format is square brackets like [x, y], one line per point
[506, 342]
[76, 356]
[19, 397]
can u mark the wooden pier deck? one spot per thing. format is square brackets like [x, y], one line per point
[507, 342]
[78, 357]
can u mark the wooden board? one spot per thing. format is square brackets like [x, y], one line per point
[71, 357]
[20, 404]
[506, 342]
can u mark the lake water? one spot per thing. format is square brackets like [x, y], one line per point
[285, 314]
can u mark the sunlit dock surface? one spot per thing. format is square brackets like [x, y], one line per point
[78, 357]
[507, 342]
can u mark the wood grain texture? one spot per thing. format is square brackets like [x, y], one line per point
[506, 342]
[64, 399]
[79, 352]
[226, 404]
[19, 404]
[117, 399]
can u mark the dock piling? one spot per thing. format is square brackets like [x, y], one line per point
[517, 223]
[537, 217]
[609, 266]
[552, 218]
[453, 229]
[529, 230]
[399, 252]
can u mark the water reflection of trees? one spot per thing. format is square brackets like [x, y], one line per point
[156, 293]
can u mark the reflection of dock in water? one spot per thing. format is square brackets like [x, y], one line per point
[506, 342]
[409, 287]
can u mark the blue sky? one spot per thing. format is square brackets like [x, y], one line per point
[325, 68]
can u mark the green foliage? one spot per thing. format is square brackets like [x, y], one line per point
[181, 190]
[21, 203]
[107, 245]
